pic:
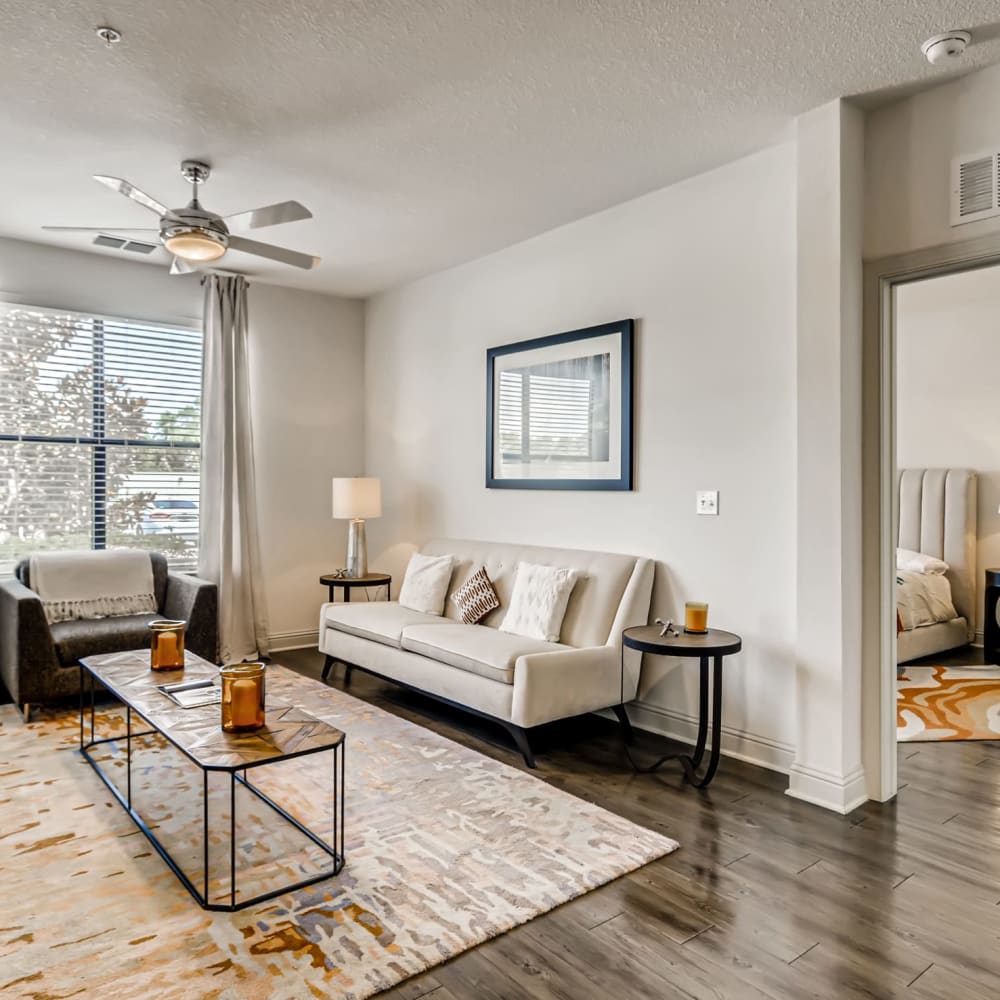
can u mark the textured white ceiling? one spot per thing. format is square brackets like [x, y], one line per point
[422, 133]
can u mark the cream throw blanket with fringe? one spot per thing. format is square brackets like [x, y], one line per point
[93, 584]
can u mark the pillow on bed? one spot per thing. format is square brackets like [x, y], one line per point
[918, 562]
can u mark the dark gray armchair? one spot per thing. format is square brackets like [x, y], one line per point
[35, 656]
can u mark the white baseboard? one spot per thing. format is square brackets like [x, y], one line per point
[281, 641]
[736, 743]
[841, 793]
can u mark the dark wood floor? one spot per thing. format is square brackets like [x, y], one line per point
[961, 657]
[767, 897]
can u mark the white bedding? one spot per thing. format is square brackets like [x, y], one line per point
[923, 599]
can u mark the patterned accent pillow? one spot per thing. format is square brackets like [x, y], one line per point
[476, 598]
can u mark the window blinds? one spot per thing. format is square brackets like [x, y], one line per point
[99, 434]
[543, 417]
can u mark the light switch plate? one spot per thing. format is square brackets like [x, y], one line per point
[707, 501]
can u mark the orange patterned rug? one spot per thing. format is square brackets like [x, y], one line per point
[948, 703]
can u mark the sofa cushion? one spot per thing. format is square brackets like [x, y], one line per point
[380, 621]
[476, 648]
[90, 636]
[594, 603]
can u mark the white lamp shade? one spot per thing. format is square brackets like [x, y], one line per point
[360, 497]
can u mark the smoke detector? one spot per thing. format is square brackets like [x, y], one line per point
[943, 48]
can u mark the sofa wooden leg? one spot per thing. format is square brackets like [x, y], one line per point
[347, 673]
[328, 665]
[625, 723]
[521, 739]
[26, 711]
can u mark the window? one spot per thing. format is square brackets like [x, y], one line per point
[99, 435]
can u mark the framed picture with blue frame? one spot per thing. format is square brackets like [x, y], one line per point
[559, 411]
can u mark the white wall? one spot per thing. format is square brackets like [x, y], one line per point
[307, 357]
[947, 408]
[830, 191]
[908, 151]
[707, 267]
[307, 363]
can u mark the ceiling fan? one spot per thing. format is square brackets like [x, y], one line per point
[196, 236]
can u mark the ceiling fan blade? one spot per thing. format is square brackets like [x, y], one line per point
[269, 215]
[292, 257]
[95, 229]
[178, 266]
[131, 191]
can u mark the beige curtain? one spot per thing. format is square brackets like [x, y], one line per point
[229, 551]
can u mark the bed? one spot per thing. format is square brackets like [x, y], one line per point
[937, 517]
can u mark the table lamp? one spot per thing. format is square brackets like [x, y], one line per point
[357, 499]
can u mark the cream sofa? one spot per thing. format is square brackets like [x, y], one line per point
[519, 682]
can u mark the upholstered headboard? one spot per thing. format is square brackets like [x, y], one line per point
[937, 515]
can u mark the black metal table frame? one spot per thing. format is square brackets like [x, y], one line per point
[237, 776]
[691, 762]
[349, 583]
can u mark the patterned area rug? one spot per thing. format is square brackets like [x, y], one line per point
[948, 703]
[445, 848]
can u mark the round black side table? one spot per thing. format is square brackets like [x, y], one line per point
[709, 648]
[332, 580]
[991, 623]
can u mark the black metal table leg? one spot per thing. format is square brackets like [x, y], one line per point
[699, 750]
[204, 832]
[691, 764]
[81, 707]
[232, 838]
[128, 752]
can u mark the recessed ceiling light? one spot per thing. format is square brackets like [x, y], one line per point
[110, 36]
[942, 48]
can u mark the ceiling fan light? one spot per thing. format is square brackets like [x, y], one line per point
[195, 246]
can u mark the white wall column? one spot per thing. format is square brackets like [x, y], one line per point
[827, 769]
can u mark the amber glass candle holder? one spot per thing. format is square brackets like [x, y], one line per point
[166, 645]
[696, 617]
[242, 697]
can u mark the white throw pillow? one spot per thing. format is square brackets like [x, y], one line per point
[919, 562]
[538, 603]
[425, 585]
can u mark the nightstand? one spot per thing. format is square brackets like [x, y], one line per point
[991, 626]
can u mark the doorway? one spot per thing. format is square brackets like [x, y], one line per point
[932, 481]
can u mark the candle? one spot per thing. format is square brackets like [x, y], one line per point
[696, 617]
[242, 697]
[245, 702]
[166, 647]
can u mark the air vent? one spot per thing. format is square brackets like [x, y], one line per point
[117, 243]
[113, 242]
[975, 188]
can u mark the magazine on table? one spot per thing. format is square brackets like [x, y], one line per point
[192, 694]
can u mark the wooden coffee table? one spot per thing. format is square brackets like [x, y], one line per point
[289, 732]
